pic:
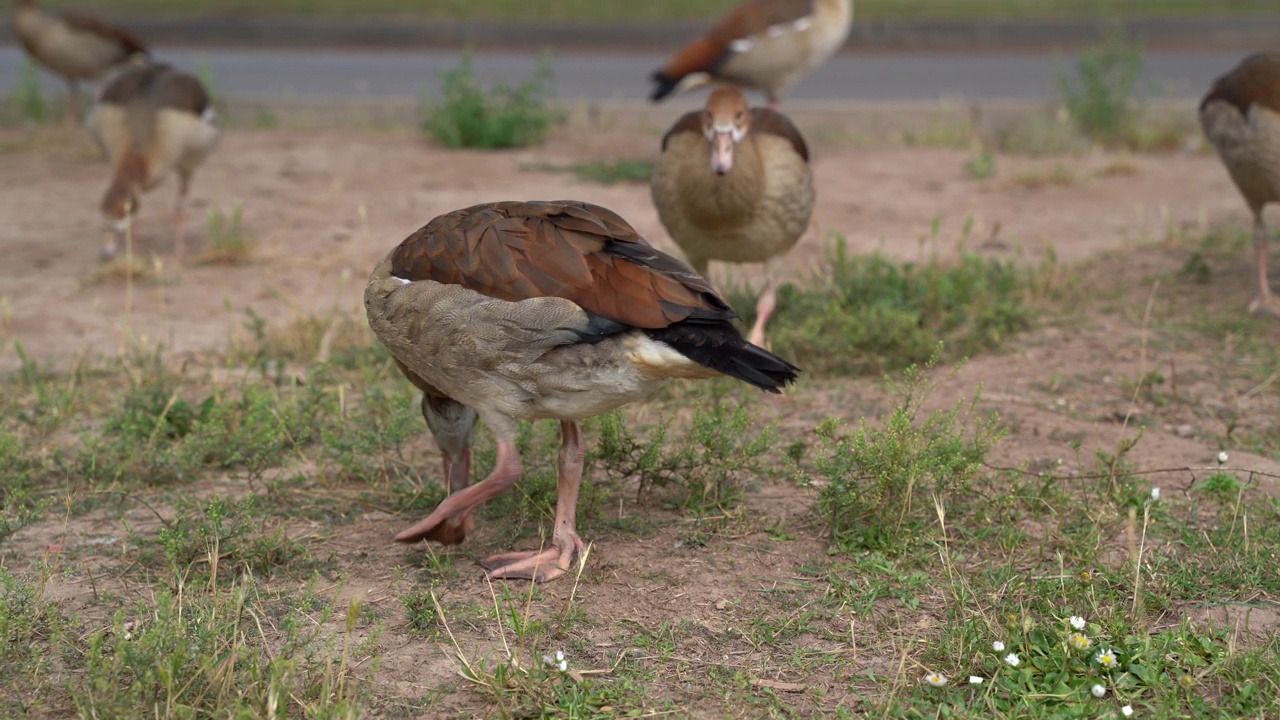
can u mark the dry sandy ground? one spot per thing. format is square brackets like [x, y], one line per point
[326, 205]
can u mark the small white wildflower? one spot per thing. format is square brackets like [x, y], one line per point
[1106, 659]
[1222, 458]
[1077, 622]
[564, 665]
[1012, 659]
[936, 679]
[1079, 641]
[1155, 494]
[559, 656]
[997, 646]
[975, 680]
[1127, 710]
[1098, 691]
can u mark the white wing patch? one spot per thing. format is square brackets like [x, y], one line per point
[740, 45]
[402, 280]
[208, 115]
[803, 23]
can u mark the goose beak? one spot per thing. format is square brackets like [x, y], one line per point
[722, 153]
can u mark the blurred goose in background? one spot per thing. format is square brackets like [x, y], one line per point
[150, 120]
[73, 45]
[768, 45]
[515, 311]
[734, 184]
[1241, 117]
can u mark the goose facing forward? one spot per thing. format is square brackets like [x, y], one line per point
[734, 184]
[516, 311]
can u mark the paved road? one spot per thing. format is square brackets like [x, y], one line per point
[268, 74]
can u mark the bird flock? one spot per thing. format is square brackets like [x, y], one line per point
[522, 310]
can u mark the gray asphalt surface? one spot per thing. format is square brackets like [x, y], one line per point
[266, 74]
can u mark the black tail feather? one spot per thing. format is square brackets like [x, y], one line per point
[722, 348]
[664, 86]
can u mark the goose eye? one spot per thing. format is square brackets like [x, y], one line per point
[742, 115]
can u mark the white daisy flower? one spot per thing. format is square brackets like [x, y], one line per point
[997, 646]
[936, 679]
[1079, 641]
[1012, 659]
[975, 680]
[1106, 659]
[1222, 458]
[1127, 710]
[564, 665]
[1098, 691]
[1155, 494]
[1077, 622]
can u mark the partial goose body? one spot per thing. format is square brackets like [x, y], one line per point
[73, 45]
[734, 184]
[1241, 117]
[544, 310]
[768, 45]
[151, 120]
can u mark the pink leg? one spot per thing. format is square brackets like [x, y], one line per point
[764, 308]
[457, 473]
[555, 560]
[449, 522]
[180, 220]
[1264, 303]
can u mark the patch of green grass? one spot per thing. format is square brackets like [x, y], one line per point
[708, 461]
[1099, 98]
[869, 314]
[874, 481]
[27, 97]
[603, 172]
[500, 117]
[228, 242]
[982, 165]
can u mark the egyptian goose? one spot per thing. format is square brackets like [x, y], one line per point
[150, 120]
[73, 45]
[768, 45]
[734, 183]
[545, 310]
[1241, 117]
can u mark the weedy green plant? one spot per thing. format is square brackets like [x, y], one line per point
[1100, 96]
[228, 242]
[868, 314]
[603, 172]
[982, 165]
[707, 461]
[871, 479]
[499, 117]
[27, 96]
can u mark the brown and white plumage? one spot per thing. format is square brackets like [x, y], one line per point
[150, 120]
[1241, 117]
[768, 45]
[545, 310]
[734, 184]
[73, 45]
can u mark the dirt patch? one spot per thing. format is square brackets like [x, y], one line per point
[325, 206]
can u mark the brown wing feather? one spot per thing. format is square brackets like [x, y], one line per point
[748, 19]
[769, 122]
[689, 122]
[129, 43]
[577, 251]
[1256, 80]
